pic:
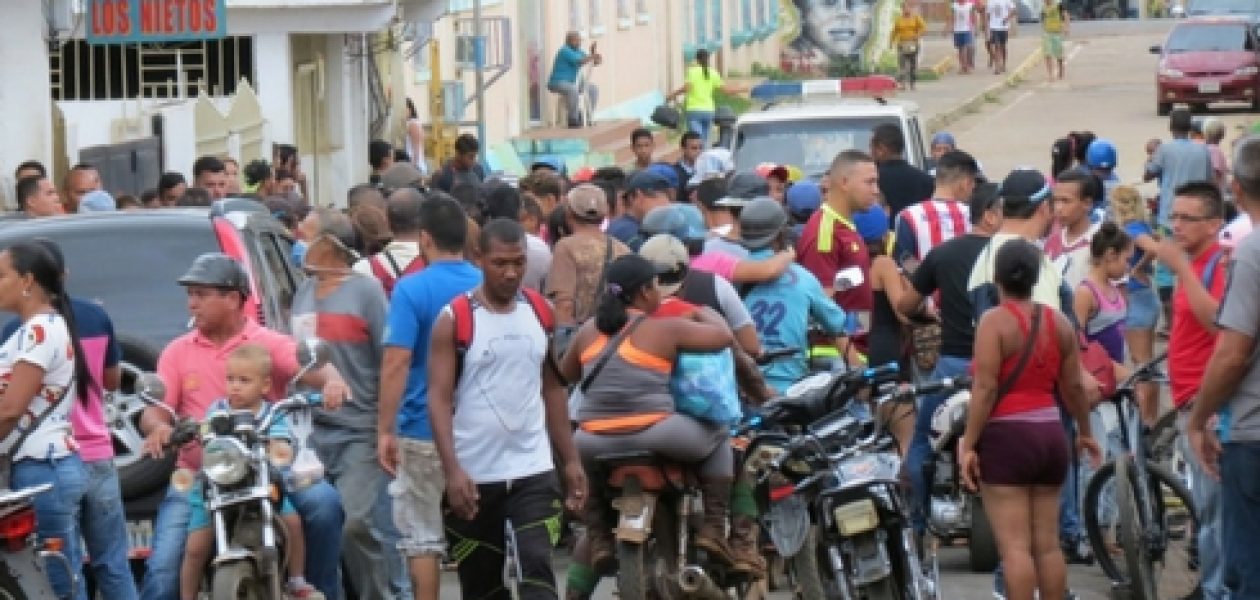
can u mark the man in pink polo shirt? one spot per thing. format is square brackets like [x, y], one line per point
[193, 367]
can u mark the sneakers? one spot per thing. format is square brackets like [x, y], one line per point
[302, 591]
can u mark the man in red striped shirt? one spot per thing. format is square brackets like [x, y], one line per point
[943, 217]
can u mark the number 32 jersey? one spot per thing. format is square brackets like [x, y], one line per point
[783, 310]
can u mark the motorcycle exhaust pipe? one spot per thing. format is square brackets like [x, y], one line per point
[695, 583]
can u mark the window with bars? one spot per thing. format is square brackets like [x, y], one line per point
[79, 71]
[575, 15]
[594, 19]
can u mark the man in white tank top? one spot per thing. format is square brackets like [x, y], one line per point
[497, 412]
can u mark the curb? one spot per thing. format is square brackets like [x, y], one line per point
[1013, 79]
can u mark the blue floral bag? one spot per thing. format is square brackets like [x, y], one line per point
[704, 387]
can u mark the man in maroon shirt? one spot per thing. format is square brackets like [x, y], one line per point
[830, 242]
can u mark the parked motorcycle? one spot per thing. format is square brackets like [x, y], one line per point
[860, 542]
[23, 558]
[953, 511]
[243, 486]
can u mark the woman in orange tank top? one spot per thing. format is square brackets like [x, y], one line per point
[1015, 449]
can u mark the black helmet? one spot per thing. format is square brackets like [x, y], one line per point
[218, 270]
[761, 221]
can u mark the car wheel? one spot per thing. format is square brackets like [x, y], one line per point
[138, 474]
[1163, 108]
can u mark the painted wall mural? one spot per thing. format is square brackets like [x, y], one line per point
[837, 37]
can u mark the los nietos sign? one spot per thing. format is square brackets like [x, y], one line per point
[130, 21]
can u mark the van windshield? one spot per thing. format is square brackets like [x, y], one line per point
[1223, 7]
[1208, 38]
[810, 144]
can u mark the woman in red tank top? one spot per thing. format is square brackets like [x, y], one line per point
[1015, 449]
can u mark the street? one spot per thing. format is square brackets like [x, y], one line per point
[1109, 89]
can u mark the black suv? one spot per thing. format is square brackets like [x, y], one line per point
[129, 263]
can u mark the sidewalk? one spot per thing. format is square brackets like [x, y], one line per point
[940, 101]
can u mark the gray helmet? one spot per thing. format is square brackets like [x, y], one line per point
[218, 270]
[742, 188]
[761, 222]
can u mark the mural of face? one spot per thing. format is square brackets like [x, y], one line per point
[836, 27]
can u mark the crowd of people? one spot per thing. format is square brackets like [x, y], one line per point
[490, 339]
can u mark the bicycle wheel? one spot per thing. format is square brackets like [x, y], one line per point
[1174, 563]
[1131, 533]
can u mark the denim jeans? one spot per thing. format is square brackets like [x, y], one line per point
[1070, 527]
[57, 512]
[370, 555]
[1205, 491]
[104, 528]
[701, 122]
[319, 506]
[1240, 518]
[921, 445]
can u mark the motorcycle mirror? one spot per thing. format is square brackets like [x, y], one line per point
[848, 278]
[152, 391]
[313, 353]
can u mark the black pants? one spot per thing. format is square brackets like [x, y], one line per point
[533, 506]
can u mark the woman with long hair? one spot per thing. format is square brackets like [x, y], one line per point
[43, 372]
[1015, 449]
[1143, 311]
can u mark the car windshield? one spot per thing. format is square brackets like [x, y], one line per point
[135, 281]
[810, 144]
[1208, 38]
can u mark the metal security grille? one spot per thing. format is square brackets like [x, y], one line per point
[80, 71]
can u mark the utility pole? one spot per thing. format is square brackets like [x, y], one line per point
[479, 62]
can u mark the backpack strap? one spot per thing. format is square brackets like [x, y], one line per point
[1209, 272]
[542, 309]
[382, 273]
[462, 314]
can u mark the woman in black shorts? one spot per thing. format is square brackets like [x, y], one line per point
[1015, 449]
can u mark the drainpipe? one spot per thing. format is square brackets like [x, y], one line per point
[479, 60]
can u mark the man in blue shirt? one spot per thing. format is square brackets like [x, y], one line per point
[644, 191]
[416, 302]
[784, 308]
[564, 76]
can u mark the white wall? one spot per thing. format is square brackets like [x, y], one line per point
[273, 65]
[25, 101]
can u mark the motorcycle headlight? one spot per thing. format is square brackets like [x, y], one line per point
[856, 517]
[762, 457]
[225, 461]
[861, 467]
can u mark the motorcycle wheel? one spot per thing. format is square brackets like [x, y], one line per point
[805, 571]
[649, 571]
[235, 581]
[982, 554]
[886, 589]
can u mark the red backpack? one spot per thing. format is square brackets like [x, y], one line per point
[462, 308]
[388, 277]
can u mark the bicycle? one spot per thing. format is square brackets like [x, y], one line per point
[1155, 518]
[512, 575]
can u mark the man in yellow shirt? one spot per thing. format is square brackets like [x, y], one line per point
[1054, 26]
[908, 29]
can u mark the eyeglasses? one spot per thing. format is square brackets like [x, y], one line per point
[1188, 218]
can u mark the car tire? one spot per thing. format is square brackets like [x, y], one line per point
[138, 475]
[1163, 108]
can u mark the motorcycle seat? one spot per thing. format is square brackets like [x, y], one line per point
[652, 471]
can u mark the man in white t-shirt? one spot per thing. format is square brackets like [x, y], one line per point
[1001, 14]
[963, 17]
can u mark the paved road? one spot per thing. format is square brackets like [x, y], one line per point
[1109, 90]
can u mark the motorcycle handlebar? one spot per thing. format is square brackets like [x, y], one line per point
[768, 356]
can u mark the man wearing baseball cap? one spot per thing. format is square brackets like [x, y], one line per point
[795, 298]
[578, 260]
[671, 220]
[644, 191]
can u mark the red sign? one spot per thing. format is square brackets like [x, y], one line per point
[131, 21]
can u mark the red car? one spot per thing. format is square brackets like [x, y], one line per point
[1206, 60]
